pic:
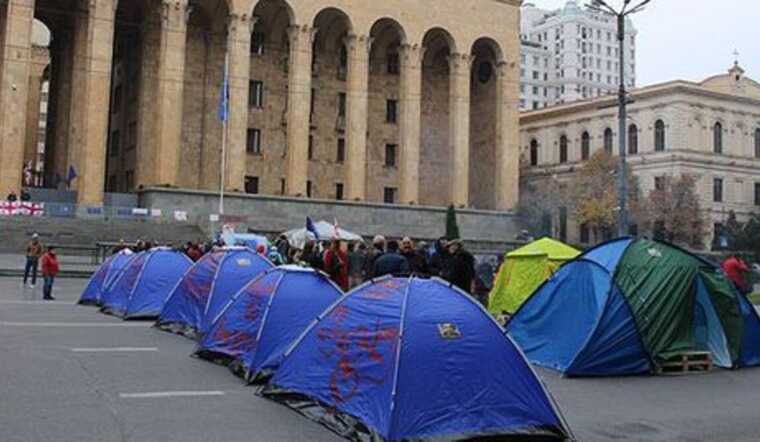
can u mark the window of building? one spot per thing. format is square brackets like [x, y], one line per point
[563, 149]
[115, 141]
[256, 94]
[757, 143]
[389, 195]
[608, 140]
[253, 141]
[718, 138]
[310, 150]
[393, 61]
[342, 104]
[718, 190]
[633, 139]
[282, 186]
[659, 136]
[585, 234]
[112, 183]
[390, 155]
[757, 194]
[536, 75]
[585, 146]
[536, 105]
[338, 191]
[343, 63]
[308, 189]
[132, 135]
[257, 43]
[659, 183]
[563, 224]
[312, 101]
[340, 156]
[391, 111]
[533, 153]
[252, 184]
[129, 180]
[535, 90]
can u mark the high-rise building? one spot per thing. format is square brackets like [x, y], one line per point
[571, 54]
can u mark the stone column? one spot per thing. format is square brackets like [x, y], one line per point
[14, 87]
[357, 97]
[239, 32]
[507, 165]
[171, 82]
[299, 104]
[91, 89]
[411, 57]
[460, 66]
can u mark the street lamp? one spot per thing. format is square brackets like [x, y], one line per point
[602, 7]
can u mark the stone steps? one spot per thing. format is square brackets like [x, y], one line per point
[15, 232]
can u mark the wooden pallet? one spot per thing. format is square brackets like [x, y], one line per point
[690, 362]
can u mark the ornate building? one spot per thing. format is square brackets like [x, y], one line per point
[709, 130]
[392, 101]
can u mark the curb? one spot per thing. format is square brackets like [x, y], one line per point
[66, 274]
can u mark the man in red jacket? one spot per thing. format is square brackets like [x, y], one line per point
[50, 270]
[736, 269]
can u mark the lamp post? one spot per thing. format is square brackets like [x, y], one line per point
[602, 7]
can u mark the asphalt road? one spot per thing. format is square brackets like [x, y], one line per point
[68, 373]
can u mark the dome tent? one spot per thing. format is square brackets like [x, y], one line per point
[104, 276]
[402, 359]
[206, 288]
[628, 305]
[141, 288]
[261, 321]
[524, 270]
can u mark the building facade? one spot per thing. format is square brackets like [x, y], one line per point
[395, 101]
[709, 130]
[583, 55]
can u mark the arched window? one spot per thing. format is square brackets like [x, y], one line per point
[533, 153]
[608, 140]
[633, 139]
[585, 146]
[718, 138]
[563, 149]
[659, 136]
[757, 143]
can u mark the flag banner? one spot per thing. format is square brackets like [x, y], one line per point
[180, 215]
[310, 227]
[72, 175]
[21, 208]
[224, 97]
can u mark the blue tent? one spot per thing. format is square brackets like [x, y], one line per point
[627, 306]
[413, 359]
[141, 288]
[207, 287]
[265, 317]
[104, 276]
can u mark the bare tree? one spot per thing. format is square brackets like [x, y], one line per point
[674, 214]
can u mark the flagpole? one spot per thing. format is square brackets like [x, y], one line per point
[224, 136]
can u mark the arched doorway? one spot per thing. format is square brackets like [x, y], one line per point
[435, 150]
[483, 123]
[384, 108]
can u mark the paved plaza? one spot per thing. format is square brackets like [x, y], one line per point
[72, 374]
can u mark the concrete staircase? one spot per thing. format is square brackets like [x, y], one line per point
[15, 232]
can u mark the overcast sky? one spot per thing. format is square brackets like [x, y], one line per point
[691, 39]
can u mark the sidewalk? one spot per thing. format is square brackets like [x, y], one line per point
[12, 264]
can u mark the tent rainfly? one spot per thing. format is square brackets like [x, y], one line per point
[297, 238]
[524, 270]
[104, 276]
[627, 306]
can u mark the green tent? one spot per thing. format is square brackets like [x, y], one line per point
[524, 270]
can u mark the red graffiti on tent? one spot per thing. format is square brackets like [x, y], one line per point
[234, 340]
[384, 289]
[357, 347]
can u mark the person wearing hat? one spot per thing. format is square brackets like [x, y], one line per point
[460, 270]
[33, 253]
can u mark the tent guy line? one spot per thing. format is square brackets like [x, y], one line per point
[169, 394]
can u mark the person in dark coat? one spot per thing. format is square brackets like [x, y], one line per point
[417, 260]
[391, 262]
[377, 250]
[311, 255]
[460, 270]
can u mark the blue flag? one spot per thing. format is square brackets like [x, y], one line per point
[224, 97]
[310, 227]
[72, 175]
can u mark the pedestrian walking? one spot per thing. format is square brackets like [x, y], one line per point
[50, 271]
[33, 253]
